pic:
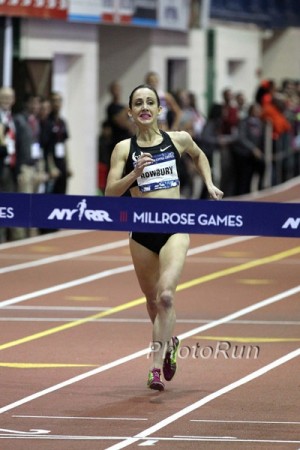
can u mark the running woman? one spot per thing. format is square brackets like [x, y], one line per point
[148, 166]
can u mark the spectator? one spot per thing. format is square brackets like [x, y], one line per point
[170, 115]
[121, 125]
[52, 172]
[191, 121]
[248, 151]
[242, 108]
[296, 140]
[29, 168]
[229, 125]
[54, 140]
[8, 179]
[29, 152]
[212, 140]
[104, 154]
[275, 112]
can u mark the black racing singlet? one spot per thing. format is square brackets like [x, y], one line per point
[163, 173]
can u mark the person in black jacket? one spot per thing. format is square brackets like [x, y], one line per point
[55, 135]
[248, 151]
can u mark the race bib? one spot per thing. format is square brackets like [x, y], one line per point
[161, 174]
[59, 151]
[35, 150]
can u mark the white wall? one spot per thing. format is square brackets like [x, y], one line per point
[238, 59]
[127, 54]
[74, 51]
[281, 56]
[124, 56]
[197, 67]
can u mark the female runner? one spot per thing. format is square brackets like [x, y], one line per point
[148, 166]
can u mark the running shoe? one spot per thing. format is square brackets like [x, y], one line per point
[169, 365]
[154, 381]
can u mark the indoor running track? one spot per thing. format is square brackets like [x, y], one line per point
[75, 338]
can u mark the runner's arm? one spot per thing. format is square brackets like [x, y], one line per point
[201, 163]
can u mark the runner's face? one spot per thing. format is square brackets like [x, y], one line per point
[144, 108]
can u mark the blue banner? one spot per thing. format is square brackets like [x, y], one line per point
[151, 215]
[264, 13]
[15, 210]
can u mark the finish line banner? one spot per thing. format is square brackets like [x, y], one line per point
[151, 215]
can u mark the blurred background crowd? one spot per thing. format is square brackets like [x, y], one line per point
[251, 143]
[33, 150]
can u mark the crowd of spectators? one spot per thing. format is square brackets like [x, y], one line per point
[251, 144]
[33, 150]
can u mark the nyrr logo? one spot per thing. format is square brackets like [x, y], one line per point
[81, 211]
[292, 223]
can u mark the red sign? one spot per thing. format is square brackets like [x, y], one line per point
[47, 9]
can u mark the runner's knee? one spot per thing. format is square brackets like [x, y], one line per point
[166, 299]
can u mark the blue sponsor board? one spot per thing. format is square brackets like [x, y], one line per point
[151, 215]
[14, 210]
[264, 13]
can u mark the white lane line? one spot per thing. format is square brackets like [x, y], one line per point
[106, 273]
[262, 422]
[78, 417]
[145, 351]
[219, 244]
[183, 412]
[42, 238]
[233, 439]
[64, 256]
[69, 284]
[122, 320]
[56, 308]
[139, 321]
[111, 246]
[244, 311]
[145, 442]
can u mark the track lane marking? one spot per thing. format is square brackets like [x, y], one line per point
[116, 271]
[67, 285]
[245, 266]
[64, 256]
[45, 237]
[141, 300]
[111, 246]
[246, 339]
[145, 351]
[203, 401]
[18, 365]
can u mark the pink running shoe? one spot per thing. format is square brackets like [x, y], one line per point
[170, 365]
[154, 381]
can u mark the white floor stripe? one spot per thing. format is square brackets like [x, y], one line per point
[259, 422]
[69, 284]
[140, 321]
[79, 418]
[230, 387]
[219, 244]
[41, 238]
[145, 351]
[64, 256]
[145, 442]
[243, 311]
[90, 278]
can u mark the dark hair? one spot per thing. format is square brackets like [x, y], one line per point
[143, 86]
[215, 111]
